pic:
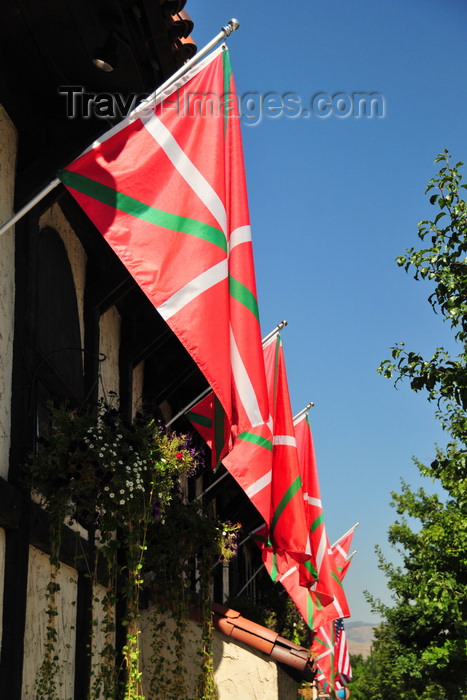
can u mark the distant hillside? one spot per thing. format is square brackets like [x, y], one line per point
[359, 637]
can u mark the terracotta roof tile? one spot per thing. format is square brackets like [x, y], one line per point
[234, 625]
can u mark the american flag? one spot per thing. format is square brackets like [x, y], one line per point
[342, 669]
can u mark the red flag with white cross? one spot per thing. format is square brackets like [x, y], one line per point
[166, 189]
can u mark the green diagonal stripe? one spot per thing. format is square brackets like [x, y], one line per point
[198, 418]
[276, 366]
[317, 603]
[274, 571]
[336, 578]
[309, 609]
[227, 75]
[285, 500]
[321, 641]
[317, 522]
[242, 294]
[133, 207]
[258, 538]
[313, 606]
[310, 568]
[256, 439]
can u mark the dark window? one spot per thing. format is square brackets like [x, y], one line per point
[58, 340]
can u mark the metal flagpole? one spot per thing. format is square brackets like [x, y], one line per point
[211, 486]
[230, 27]
[27, 207]
[351, 529]
[304, 410]
[276, 330]
[208, 389]
[250, 580]
[204, 393]
[245, 539]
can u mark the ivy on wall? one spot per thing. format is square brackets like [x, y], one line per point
[121, 480]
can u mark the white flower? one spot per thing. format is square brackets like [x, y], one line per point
[112, 495]
[122, 502]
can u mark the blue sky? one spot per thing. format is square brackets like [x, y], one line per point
[333, 201]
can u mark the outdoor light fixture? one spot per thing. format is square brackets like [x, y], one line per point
[105, 57]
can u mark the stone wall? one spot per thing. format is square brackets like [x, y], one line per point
[240, 672]
[36, 623]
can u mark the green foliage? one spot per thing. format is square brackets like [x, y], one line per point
[110, 475]
[121, 480]
[46, 685]
[443, 263]
[95, 467]
[285, 619]
[188, 535]
[363, 682]
[421, 647]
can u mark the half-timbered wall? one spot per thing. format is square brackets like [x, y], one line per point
[7, 283]
[74, 326]
[7, 300]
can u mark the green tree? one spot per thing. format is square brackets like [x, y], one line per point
[421, 647]
[362, 684]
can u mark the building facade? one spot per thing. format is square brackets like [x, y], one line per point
[75, 327]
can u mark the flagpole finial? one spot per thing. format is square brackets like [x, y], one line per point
[231, 26]
[304, 410]
[273, 333]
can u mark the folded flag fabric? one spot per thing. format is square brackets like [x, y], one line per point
[340, 552]
[332, 655]
[314, 511]
[166, 188]
[325, 599]
[210, 420]
[287, 526]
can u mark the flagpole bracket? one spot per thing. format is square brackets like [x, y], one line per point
[231, 26]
